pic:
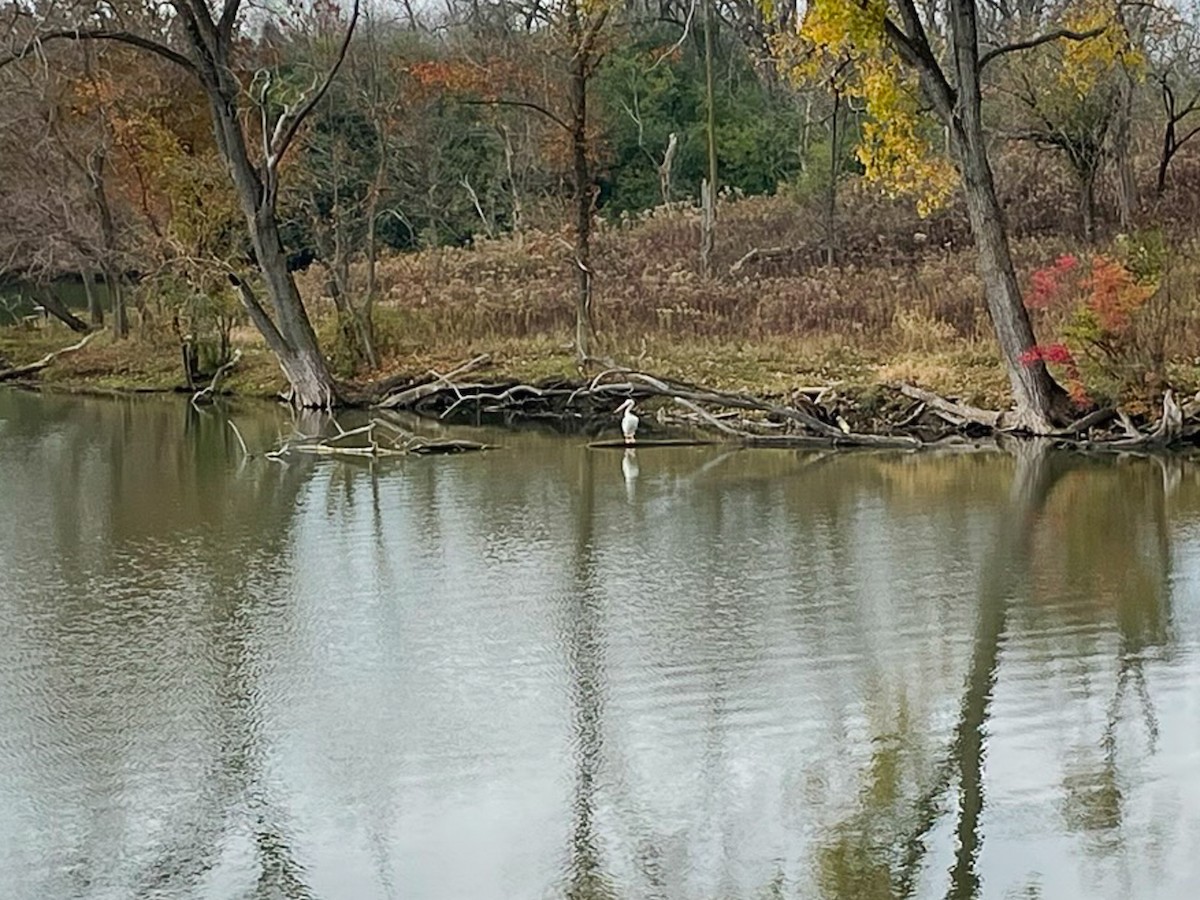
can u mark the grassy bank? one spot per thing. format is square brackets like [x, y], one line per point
[902, 304]
[768, 366]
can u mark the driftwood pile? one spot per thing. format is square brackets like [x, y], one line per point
[801, 421]
[1107, 428]
[911, 418]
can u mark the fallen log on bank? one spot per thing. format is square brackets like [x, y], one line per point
[16, 372]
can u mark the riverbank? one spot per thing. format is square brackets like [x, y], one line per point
[901, 306]
[765, 367]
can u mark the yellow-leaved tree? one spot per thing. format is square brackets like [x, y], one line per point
[906, 59]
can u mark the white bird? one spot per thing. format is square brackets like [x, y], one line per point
[629, 422]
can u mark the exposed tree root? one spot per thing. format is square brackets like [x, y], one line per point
[810, 417]
[956, 414]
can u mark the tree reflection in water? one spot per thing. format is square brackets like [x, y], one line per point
[881, 849]
[584, 644]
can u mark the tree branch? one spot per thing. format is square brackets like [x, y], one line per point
[228, 17]
[285, 133]
[1187, 137]
[102, 34]
[258, 315]
[523, 104]
[1061, 34]
[915, 43]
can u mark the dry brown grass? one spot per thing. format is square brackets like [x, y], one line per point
[904, 303]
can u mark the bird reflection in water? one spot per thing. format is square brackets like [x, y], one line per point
[629, 468]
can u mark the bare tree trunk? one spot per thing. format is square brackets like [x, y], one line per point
[1164, 159]
[1039, 399]
[95, 310]
[108, 237]
[664, 170]
[1127, 199]
[584, 327]
[805, 132]
[518, 218]
[367, 319]
[1087, 203]
[831, 198]
[708, 216]
[710, 210]
[116, 301]
[290, 334]
[58, 309]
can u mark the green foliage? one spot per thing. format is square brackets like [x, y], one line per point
[647, 91]
[811, 184]
[201, 308]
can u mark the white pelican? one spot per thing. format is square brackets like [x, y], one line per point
[629, 422]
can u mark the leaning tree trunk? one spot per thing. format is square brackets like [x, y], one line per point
[58, 309]
[290, 333]
[1039, 400]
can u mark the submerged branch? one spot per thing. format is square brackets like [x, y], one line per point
[397, 442]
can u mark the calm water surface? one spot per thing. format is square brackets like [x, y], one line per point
[553, 672]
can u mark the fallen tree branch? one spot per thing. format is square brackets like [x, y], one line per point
[1091, 420]
[953, 412]
[1167, 432]
[438, 382]
[31, 368]
[758, 253]
[241, 441]
[401, 443]
[205, 395]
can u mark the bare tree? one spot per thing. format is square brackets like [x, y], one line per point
[570, 34]
[202, 37]
[1176, 75]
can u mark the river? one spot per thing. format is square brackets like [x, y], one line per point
[548, 671]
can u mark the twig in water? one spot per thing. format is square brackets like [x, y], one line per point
[245, 452]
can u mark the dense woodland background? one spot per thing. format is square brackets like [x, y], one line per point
[438, 186]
